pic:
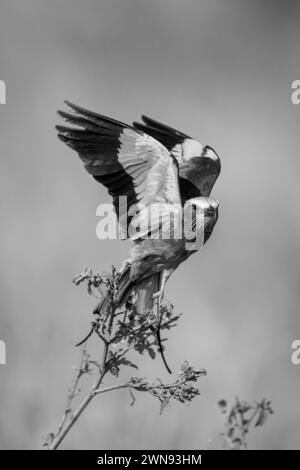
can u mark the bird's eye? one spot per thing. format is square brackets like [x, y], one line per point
[210, 211]
[194, 214]
[195, 210]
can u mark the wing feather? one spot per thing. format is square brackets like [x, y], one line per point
[126, 160]
[199, 166]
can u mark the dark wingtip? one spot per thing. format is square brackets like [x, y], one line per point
[146, 119]
[78, 109]
[70, 104]
[59, 132]
[61, 113]
[75, 108]
[62, 129]
[139, 126]
[64, 114]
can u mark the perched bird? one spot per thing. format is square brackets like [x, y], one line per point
[167, 178]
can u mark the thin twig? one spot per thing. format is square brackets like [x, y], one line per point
[73, 391]
[59, 438]
[110, 388]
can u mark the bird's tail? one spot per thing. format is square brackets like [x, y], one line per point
[145, 291]
[145, 302]
[143, 288]
[125, 286]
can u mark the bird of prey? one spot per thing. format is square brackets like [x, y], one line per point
[152, 165]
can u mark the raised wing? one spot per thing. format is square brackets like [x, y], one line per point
[125, 160]
[199, 166]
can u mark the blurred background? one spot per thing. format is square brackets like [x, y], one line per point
[220, 71]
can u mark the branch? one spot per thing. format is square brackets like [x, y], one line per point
[63, 430]
[120, 330]
[239, 418]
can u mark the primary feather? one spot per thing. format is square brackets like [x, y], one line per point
[127, 161]
[199, 166]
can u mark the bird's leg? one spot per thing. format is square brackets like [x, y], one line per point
[124, 266]
[157, 299]
[158, 296]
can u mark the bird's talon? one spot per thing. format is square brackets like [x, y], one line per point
[156, 295]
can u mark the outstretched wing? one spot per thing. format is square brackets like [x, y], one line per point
[125, 160]
[199, 166]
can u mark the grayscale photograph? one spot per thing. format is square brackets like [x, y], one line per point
[150, 259]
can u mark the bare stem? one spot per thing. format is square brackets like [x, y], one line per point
[110, 388]
[73, 392]
[63, 431]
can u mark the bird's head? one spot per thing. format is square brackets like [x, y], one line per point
[200, 217]
[208, 170]
[209, 152]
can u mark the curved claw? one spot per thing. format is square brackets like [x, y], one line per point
[86, 337]
[125, 265]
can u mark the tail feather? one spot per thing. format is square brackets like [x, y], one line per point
[145, 303]
[144, 290]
